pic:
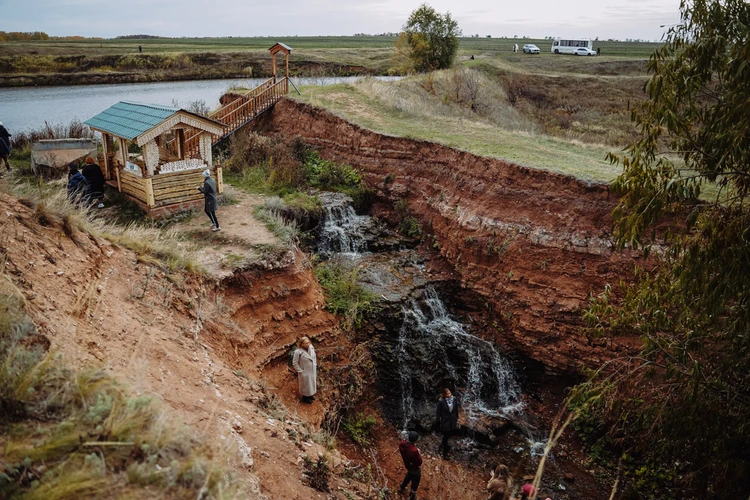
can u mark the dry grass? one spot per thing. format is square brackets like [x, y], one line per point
[167, 248]
[413, 111]
[70, 434]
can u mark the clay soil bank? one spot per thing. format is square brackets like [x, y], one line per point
[534, 245]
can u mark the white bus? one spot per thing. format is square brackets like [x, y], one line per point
[560, 46]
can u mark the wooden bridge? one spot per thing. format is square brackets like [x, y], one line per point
[241, 111]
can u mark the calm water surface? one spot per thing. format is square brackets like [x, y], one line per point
[24, 108]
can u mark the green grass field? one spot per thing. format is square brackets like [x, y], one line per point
[233, 44]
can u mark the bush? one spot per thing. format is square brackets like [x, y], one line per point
[410, 227]
[344, 294]
[21, 141]
[318, 472]
[360, 429]
[327, 174]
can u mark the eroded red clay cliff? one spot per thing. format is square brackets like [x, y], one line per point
[534, 244]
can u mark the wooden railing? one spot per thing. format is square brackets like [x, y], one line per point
[240, 111]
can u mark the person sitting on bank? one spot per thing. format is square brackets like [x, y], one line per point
[413, 462]
[77, 184]
[305, 363]
[211, 202]
[95, 178]
[4, 146]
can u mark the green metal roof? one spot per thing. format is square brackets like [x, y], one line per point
[130, 119]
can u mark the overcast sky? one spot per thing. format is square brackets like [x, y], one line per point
[619, 19]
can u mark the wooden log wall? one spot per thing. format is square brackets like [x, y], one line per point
[134, 186]
[181, 187]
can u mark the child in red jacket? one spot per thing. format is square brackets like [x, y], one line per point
[413, 463]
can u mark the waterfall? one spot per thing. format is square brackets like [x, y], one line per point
[435, 350]
[343, 230]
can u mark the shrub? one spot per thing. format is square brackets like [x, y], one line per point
[344, 294]
[360, 428]
[21, 141]
[328, 174]
[410, 227]
[318, 472]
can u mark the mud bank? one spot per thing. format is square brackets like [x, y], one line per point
[38, 70]
[534, 245]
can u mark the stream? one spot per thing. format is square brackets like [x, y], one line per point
[423, 347]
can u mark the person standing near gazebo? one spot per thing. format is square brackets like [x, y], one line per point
[305, 363]
[209, 193]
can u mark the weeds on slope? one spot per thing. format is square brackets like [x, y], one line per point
[344, 295]
[166, 247]
[77, 434]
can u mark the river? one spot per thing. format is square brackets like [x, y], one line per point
[24, 108]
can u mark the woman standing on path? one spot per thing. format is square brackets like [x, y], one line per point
[305, 363]
[209, 193]
[447, 418]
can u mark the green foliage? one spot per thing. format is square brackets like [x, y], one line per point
[360, 428]
[344, 294]
[410, 227]
[327, 174]
[432, 39]
[687, 397]
[318, 472]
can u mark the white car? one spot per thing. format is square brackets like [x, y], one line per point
[583, 51]
[530, 48]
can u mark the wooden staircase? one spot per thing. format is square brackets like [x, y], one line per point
[241, 111]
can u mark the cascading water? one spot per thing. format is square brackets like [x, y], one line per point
[431, 350]
[454, 357]
[343, 230]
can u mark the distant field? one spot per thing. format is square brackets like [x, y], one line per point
[157, 45]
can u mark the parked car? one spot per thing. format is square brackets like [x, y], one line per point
[530, 48]
[583, 51]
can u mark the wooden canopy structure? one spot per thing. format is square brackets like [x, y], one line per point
[284, 49]
[152, 164]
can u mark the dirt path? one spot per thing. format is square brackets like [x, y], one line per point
[242, 238]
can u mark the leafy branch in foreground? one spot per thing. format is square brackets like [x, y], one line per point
[686, 399]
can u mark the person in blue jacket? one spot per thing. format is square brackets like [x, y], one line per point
[77, 184]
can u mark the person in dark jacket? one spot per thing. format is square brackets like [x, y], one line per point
[212, 203]
[4, 145]
[413, 463]
[446, 415]
[95, 178]
[77, 184]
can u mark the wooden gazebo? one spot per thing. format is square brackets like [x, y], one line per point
[152, 164]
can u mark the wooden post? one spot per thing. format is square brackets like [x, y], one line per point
[180, 136]
[287, 66]
[219, 179]
[117, 173]
[150, 192]
[273, 63]
[124, 152]
[109, 154]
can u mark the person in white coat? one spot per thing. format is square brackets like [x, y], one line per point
[305, 363]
